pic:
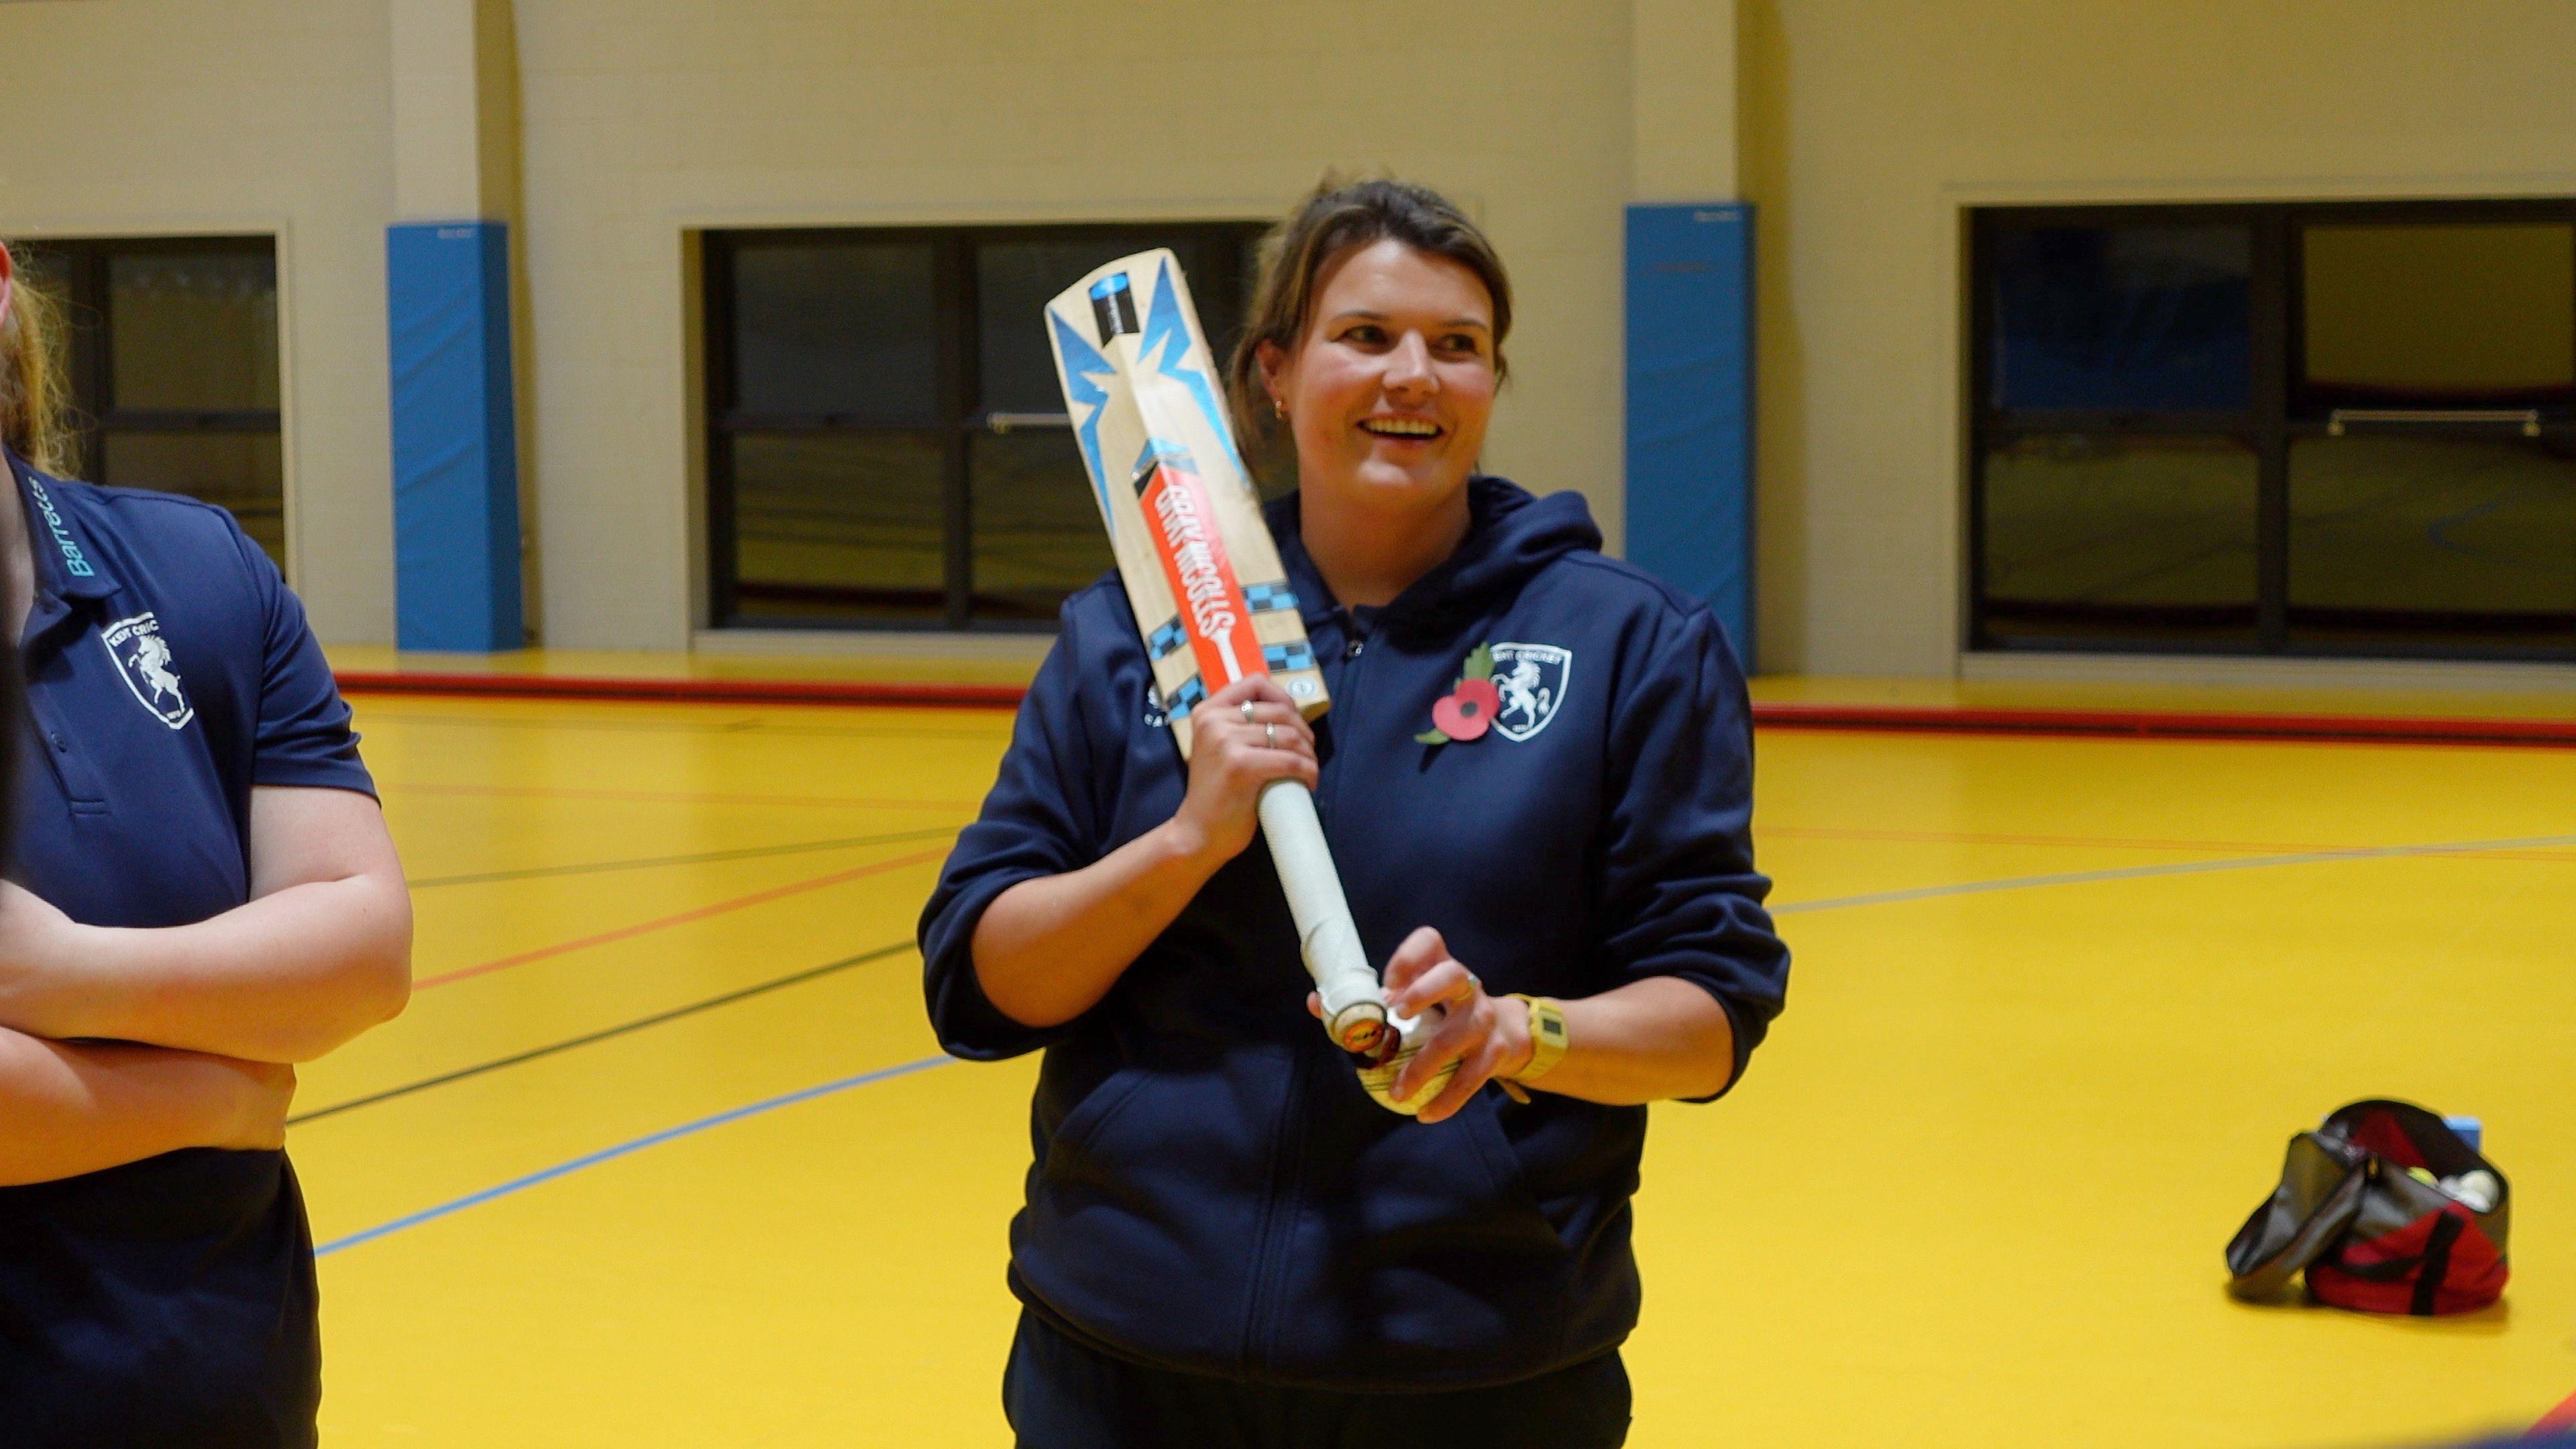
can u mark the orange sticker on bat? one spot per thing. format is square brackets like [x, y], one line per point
[1177, 507]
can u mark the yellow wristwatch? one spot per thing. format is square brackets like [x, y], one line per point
[1547, 1043]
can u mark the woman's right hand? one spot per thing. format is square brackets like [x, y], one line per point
[1233, 753]
[260, 1093]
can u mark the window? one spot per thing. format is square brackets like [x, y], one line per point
[887, 445]
[174, 372]
[2315, 429]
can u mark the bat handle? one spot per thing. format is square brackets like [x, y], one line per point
[1354, 1004]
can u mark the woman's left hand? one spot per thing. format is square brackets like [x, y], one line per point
[1486, 1036]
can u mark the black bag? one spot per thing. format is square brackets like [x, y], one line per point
[2371, 1234]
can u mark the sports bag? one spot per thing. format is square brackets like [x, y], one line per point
[2387, 1210]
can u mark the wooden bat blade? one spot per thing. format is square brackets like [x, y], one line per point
[1202, 574]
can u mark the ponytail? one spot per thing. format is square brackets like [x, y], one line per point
[31, 378]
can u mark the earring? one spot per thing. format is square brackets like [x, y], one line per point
[1279, 410]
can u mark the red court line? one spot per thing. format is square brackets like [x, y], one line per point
[671, 797]
[683, 918]
[2562, 1417]
[1775, 714]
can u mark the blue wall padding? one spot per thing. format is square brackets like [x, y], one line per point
[456, 459]
[1690, 405]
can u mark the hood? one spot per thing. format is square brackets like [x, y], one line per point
[1511, 535]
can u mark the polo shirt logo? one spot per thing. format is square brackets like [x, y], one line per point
[73, 560]
[1532, 679]
[143, 658]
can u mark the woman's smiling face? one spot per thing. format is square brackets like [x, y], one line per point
[1393, 379]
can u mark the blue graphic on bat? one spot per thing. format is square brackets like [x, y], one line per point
[1159, 455]
[1083, 363]
[1167, 328]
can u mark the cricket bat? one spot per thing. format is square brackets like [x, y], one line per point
[1211, 598]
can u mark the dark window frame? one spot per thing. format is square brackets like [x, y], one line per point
[91, 363]
[2281, 410]
[961, 418]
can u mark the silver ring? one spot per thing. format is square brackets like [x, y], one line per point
[1270, 736]
[1247, 711]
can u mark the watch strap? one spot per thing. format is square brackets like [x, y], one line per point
[1548, 1041]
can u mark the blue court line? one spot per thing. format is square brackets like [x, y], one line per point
[607, 1154]
[1977, 887]
[2195, 867]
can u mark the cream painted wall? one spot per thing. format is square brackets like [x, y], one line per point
[648, 118]
[238, 116]
[1865, 127]
[1870, 124]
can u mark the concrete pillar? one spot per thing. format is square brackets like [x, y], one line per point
[456, 111]
[1682, 101]
[461, 564]
[1689, 325]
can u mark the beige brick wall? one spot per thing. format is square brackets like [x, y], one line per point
[648, 118]
[1870, 124]
[1867, 125]
[238, 116]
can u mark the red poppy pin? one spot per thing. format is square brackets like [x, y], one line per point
[1468, 709]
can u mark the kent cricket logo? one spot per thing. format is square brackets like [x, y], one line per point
[143, 660]
[1531, 679]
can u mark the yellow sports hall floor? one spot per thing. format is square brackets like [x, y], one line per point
[663, 1154]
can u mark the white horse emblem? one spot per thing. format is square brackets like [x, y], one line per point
[1532, 679]
[143, 660]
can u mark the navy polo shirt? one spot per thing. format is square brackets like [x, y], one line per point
[169, 671]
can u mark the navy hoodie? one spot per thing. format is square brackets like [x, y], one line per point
[1212, 1191]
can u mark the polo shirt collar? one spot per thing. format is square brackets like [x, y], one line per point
[68, 565]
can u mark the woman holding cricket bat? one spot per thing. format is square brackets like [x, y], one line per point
[1535, 777]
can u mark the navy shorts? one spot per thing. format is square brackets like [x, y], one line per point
[1060, 1394]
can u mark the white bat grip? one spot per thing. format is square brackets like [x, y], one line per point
[1325, 934]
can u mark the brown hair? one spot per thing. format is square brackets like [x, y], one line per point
[1337, 218]
[31, 388]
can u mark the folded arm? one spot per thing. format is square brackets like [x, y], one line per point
[70, 1108]
[321, 952]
